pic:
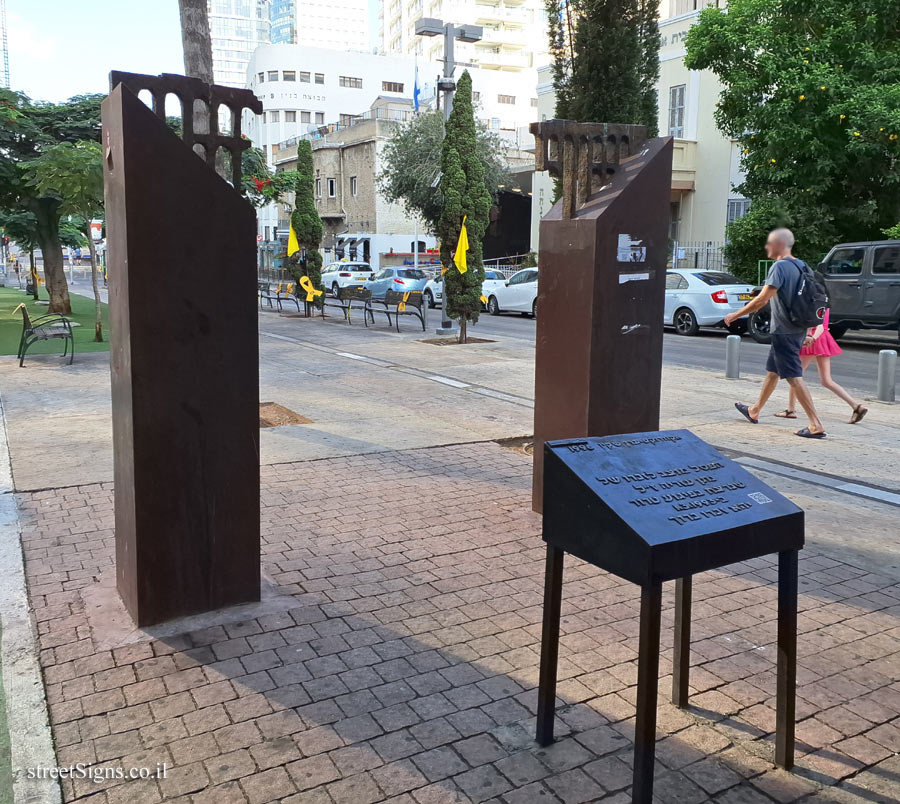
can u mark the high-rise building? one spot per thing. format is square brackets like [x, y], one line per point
[237, 27]
[4, 42]
[283, 16]
[333, 24]
[514, 37]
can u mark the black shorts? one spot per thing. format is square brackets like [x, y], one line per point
[784, 355]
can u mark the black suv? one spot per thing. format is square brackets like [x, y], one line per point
[863, 282]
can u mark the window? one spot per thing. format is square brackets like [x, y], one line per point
[304, 78]
[289, 75]
[411, 273]
[534, 103]
[887, 260]
[320, 118]
[476, 96]
[675, 281]
[332, 188]
[346, 120]
[320, 78]
[347, 81]
[676, 111]
[290, 117]
[318, 188]
[260, 77]
[508, 99]
[354, 186]
[523, 277]
[273, 75]
[717, 278]
[737, 208]
[845, 261]
[305, 117]
[274, 117]
[391, 86]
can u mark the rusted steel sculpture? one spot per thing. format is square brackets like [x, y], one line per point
[212, 96]
[598, 362]
[584, 155]
[184, 354]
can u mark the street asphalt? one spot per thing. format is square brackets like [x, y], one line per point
[856, 369]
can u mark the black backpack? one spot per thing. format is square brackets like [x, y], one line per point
[806, 308]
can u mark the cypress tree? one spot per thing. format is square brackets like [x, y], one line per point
[465, 194]
[306, 222]
[605, 60]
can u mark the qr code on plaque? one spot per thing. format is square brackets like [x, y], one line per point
[758, 496]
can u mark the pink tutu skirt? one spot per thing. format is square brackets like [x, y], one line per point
[825, 345]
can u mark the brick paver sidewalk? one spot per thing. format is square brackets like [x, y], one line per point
[406, 669]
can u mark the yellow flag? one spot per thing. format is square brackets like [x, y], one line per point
[293, 245]
[461, 248]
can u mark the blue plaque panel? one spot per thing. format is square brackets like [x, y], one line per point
[656, 506]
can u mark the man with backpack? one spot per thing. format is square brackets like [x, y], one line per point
[796, 297]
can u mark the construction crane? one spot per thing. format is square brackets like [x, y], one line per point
[4, 74]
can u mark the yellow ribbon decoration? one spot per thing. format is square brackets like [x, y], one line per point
[484, 299]
[311, 292]
[401, 306]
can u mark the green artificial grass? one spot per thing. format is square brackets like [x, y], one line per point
[82, 313]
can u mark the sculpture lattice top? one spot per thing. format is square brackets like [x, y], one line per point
[213, 96]
[584, 155]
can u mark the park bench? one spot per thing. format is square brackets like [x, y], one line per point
[348, 298]
[403, 303]
[264, 289]
[45, 328]
[285, 293]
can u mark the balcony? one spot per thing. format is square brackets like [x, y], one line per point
[684, 165]
[509, 36]
[506, 60]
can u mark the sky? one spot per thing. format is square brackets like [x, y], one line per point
[61, 48]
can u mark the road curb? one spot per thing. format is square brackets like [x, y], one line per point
[31, 741]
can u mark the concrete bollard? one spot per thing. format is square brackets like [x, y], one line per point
[887, 375]
[733, 357]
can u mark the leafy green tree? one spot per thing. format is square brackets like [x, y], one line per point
[811, 91]
[27, 129]
[306, 222]
[465, 196]
[605, 60]
[73, 174]
[412, 159]
[21, 227]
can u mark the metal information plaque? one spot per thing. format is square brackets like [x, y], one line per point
[654, 507]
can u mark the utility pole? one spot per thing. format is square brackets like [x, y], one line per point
[429, 26]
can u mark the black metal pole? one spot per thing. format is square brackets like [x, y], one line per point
[681, 658]
[785, 707]
[648, 679]
[549, 645]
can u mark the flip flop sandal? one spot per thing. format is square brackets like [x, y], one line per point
[744, 410]
[787, 414]
[859, 413]
[804, 433]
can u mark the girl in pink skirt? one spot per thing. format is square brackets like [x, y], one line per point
[819, 345]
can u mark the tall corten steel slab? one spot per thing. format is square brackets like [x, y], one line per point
[184, 359]
[604, 245]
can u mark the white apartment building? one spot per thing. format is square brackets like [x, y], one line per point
[337, 24]
[706, 164]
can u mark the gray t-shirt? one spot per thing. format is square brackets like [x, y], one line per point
[784, 276]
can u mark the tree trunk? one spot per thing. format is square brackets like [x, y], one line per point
[196, 40]
[98, 321]
[46, 210]
[462, 329]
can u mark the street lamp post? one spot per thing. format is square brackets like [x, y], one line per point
[429, 26]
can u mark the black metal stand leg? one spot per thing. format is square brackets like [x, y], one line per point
[648, 679]
[785, 706]
[549, 645]
[681, 659]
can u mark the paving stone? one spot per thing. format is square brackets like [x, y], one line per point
[439, 763]
[482, 783]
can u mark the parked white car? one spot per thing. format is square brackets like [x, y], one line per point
[697, 299]
[518, 294]
[434, 289]
[341, 274]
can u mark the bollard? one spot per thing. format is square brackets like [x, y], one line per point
[887, 375]
[733, 357]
